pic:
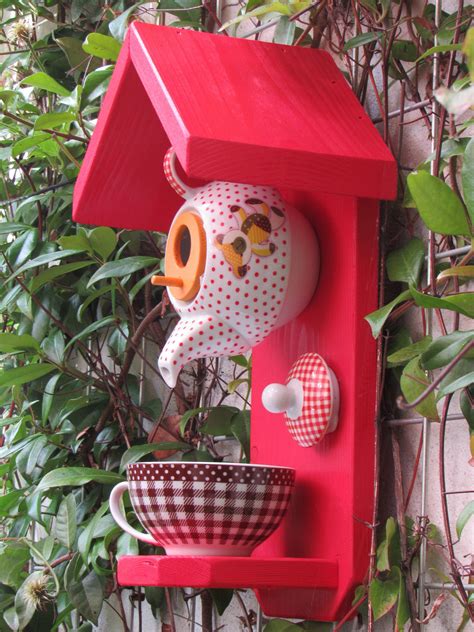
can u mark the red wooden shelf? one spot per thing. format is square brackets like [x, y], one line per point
[226, 572]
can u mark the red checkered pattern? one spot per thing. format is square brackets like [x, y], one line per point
[310, 427]
[209, 504]
[170, 173]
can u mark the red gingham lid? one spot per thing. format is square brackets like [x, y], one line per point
[312, 424]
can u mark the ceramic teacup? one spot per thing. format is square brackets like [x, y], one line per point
[204, 508]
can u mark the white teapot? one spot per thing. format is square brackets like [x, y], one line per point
[239, 263]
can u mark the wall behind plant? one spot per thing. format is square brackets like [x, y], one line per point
[82, 326]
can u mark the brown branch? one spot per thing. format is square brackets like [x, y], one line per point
[28, 123]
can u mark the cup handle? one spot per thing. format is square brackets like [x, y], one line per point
[169, 166]
[116, 511]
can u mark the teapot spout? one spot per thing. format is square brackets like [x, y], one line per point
[198, 337]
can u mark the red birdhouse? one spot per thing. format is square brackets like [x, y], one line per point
[264, 114]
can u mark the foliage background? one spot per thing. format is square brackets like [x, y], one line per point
[79, 317]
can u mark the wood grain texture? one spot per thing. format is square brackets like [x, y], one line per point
[332, 504]
[121, 182]
[236, 110]
[224, 572]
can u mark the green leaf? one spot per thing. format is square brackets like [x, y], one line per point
[53, 119]
[361, 40]
[221, 598]
[463, 303]
[126, 545]
[233, 385]
[460, 376]
[72, 48]
[135, 453]
[24, 144]
[467, 409]
[91, 298]
[24, 374]
[388, 551]
[405, 50]
[468, 50]
[241, 430]
[439, 207]
[15, 342]
[442, 48]
[89, 533]
[55, 272]
[53, 347]
[10, 500]
[76, 476]
[464, 517]
[11, 227]
[102, 46]
[241, 360]
[118, 27]
[78, 242]
[45, 82]
[413, 383]
[42, 260]
[402, 615]
[285, 31]
[87, 595]
[219, 421]
[48, 396]
[123, 267]
[92, 328]
[378, 318]
[103, 240]
[444, 349]
[407, 353]
[189, 414]
[383, 594]
[96, 84]
[464, 272]
[65, 528]
[406, 263]
[468, 177]
[13, 558]
[155, 596]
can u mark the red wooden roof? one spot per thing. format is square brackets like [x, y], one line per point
[235, 110]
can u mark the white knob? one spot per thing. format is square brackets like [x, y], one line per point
[277, 398]
[281, 398]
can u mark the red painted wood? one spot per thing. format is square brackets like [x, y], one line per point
[121, 182]
[225, 572]
[332, 505]
[290, 120]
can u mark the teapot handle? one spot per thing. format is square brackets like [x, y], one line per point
[169, 166]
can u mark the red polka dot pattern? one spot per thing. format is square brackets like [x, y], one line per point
[231, 314]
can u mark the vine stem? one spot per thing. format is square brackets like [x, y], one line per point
[350, 613]
[440, 378]
[53, 132]
[400, 507]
